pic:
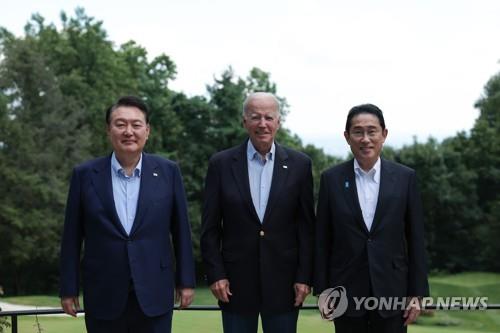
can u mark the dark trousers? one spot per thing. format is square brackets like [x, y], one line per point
[271, 323]
[370, 322]
[132, 320]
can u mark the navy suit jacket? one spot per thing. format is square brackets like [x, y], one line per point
[111, 258]
[387, 260]
[262, 261]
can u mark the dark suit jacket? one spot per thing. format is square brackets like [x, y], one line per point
[261, 261]
[390, 258]
[111, 258]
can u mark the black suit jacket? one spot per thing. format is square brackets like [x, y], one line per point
[261, 261]
[389, 259]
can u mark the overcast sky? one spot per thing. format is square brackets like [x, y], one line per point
[424, 63]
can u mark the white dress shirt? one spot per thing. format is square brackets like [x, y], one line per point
[367, 185]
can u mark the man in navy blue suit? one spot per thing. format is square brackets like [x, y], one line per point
[127, 208]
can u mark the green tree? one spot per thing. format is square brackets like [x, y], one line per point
[483, 156]
[38, 147]
[451, 209]
[54, 88]
[227, 94]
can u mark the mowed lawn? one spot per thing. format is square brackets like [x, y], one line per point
[464, 284]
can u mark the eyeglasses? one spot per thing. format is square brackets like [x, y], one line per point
[371, 133]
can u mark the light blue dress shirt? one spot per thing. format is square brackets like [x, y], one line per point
[260, 176]
[125, 192]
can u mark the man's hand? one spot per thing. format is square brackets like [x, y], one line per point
[221, 291]
[412, 311]
[301, 292]
[70, 305]
[184, 296]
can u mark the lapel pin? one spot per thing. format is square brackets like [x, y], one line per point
[346, 184]
[285, 167]
[155, 174]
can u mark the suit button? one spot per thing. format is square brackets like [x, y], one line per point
[261, 233]
[369, 240]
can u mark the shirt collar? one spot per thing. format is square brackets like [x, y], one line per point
[373, 172]
[252, 153]
[118, 169]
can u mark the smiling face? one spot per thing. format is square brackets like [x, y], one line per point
[366, 138]
[128, 131]
[262, 121]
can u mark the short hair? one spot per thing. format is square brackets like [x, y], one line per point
[128, 101]
[364, 108]
[261, 94]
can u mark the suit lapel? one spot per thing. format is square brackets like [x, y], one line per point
[280, 173]
[349, 186]
[101, 180]
[240, 174]
[150, 175]
[387, 181]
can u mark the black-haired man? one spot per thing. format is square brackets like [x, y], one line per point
[126, 208]
[370, 232]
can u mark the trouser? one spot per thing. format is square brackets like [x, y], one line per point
[132, 320]
[271, 323]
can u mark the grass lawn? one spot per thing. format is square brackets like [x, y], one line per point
[465, 284]
[203, 321]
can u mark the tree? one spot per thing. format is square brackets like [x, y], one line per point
[37, 130]
[54, 88]
[483, 156]
[451, 211]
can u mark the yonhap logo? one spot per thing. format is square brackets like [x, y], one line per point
[332, 303]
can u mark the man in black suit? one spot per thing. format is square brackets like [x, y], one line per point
[370, 232]
[257, 226]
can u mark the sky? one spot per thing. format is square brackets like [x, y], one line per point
[424, 63]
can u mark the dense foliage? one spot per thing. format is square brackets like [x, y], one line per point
[56, 83]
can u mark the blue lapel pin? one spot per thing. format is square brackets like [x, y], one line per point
[346, 184]
[155, 174]
[285, 167]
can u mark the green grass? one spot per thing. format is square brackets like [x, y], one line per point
[467, 284]
[37, 300]
[48, 324]
[202, 321]
[203, 296]
[464, 284]
[468, 279]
